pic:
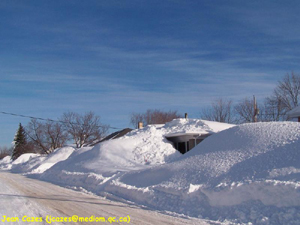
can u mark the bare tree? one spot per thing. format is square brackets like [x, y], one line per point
[135, 118]
[46, 136]
[273, 109]
[56, 136]
[35, 131]
[287, 92]
[245, 111]
[153, 117]
[84, 129]
[221, 110]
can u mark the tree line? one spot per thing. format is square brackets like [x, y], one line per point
[284, 98]
[44, 137]
[5, 151]
[84, 129]
[153, 116]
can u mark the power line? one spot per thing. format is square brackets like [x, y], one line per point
[51, 120]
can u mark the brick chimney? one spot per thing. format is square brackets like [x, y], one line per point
[140, 125]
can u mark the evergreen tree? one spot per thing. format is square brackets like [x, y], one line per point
[19, 143]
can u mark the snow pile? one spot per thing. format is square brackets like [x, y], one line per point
[26, 162]
[246, 174]
[139, 149]
[181, 126]
[31, 163]
[57, 156]
[249, 173]
[5, 163]
[24, 158]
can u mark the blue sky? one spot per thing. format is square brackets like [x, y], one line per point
[118, 57]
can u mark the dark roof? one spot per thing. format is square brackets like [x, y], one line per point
[115, 135]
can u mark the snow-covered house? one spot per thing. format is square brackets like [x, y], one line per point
[185, 134]
[114, 135]
[294, 114]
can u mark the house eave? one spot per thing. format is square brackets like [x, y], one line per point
[184, 137]
[188, 134]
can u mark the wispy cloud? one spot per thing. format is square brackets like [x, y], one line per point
[116, 57]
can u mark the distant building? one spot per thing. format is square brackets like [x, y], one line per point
[294, 114]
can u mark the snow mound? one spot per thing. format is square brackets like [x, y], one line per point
[28, 163]
[5, 163]
[182, 126]
[24, 158]
[31, 163]
[94, 168]
[249, 173]
[56, 156]
[241, 153]
[138, 149]
[6, 159]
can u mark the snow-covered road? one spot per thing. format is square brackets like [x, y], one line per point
[23, 198]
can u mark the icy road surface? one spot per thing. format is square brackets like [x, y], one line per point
[21, 196]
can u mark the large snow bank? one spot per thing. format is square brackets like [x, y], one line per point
[247, 173]
[139, 149]
[31, 163]
[26, 162]
[7, 164]
[58, 155]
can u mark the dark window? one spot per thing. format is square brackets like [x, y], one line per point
[191, 143]
[181, 147]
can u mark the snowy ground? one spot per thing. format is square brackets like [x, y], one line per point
[21, 197]
[245, 174]
[15, 204]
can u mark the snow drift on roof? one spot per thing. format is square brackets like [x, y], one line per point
[193, 126]
[294, 112]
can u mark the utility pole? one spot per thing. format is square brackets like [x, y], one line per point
[256, 110]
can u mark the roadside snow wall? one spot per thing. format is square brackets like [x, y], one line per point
[249, 173]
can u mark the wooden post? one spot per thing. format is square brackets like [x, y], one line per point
[140, 125]
[255, 110]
